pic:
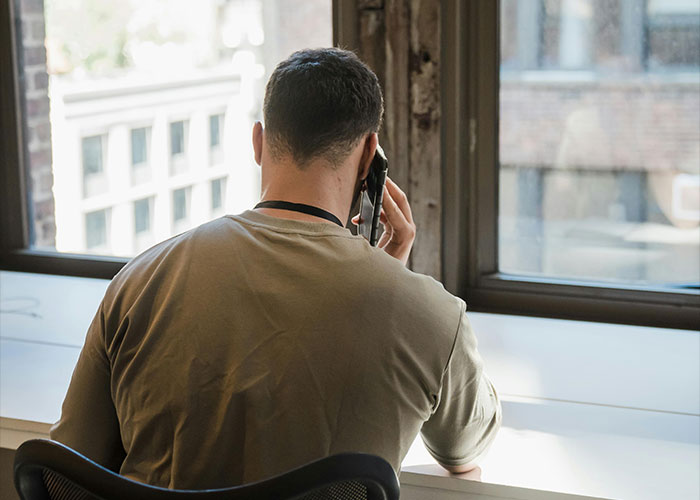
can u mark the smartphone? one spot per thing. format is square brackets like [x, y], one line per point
[371, 198]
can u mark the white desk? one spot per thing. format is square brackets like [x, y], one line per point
[569, 392]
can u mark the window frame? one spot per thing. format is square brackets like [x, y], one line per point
[15, 215]
[470, 106]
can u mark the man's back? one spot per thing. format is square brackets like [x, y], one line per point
[253, 344]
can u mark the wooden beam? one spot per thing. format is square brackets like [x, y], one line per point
[425, 173]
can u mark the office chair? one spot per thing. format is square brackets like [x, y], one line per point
[48, 470]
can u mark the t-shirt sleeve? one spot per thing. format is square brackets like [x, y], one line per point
[468, 413]
[88, 422]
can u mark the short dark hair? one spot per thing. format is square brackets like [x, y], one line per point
[320, 103]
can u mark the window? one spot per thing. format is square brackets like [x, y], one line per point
[177, 138]
[181, 205]
[139, 146]
[142, 215]
[92, 155]
[218, 194]
[586, 165]
[568, 160]
[216, 123]
[94, 179]
[96, 229]
[127, 102]
[611, 35]
[673, 34]
[214, 131]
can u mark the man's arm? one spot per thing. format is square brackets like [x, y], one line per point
[88, 422]
[468, 414]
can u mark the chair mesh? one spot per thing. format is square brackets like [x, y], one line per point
[60, 488]
[345, 490]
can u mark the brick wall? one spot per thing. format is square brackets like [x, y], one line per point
[615, 125]
[36, 85]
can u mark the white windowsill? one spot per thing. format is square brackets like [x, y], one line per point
[590, 409]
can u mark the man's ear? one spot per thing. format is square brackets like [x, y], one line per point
[370, 146]
[258, 142]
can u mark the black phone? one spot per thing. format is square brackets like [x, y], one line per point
[371, 198]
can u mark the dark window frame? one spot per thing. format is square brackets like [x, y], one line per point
[470, 109]
[15, 209]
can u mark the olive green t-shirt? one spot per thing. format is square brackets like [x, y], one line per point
[253, 344]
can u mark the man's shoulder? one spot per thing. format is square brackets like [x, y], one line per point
[412, 285]
[170, 252]
[415, 298]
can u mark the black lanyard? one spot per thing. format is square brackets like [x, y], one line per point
[300, 207]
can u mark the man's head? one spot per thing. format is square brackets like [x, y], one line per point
[319, 104]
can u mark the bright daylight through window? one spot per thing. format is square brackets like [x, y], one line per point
[142, 128]
[600, 140]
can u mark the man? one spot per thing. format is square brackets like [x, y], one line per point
[259, 342]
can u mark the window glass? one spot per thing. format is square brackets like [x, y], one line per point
[142, 215]
[94, 180]
[674, 33]
[126, 101]
[218, 187]
[600, 141]
[96, 229]
[180, 205]
[214, 124]
[177, 138]
[92, 155]
[139, 146]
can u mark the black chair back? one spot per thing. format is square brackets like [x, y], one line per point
[48, 470]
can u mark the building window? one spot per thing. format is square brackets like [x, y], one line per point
[94, 178]
[178, 132]
[216, 125]
[177, 138]
[142, 215]
[96, 229]
[181, 203]
[673, 34]
[215, 122]
[139, 146]
[92, 155]
[218, 194]
[140, 149]
[601, 36]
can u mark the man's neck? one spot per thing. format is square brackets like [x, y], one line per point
[318, 185]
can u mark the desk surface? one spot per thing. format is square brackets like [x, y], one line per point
[594, 450]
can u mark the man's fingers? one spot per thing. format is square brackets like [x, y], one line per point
[386, 238]
[394, 216]
[400, 198]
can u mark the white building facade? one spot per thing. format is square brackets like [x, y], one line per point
[135, 163]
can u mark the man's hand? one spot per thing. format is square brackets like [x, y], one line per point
[469, 471]
[396, 217]
[399, 228]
